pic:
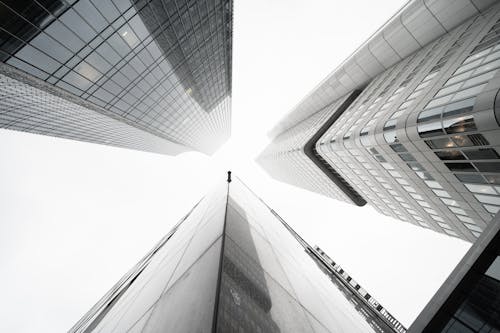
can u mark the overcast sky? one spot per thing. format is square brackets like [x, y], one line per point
[74, 217]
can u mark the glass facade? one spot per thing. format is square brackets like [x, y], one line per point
[231, 265]
[469, 300]
[163, 67]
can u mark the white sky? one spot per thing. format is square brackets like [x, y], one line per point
[74, 217]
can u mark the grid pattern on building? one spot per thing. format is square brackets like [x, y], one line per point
[229, 266]
[163, 65]
[26, 108]
[415, 25]
[286, 160]
[387, 138]
[448, 125]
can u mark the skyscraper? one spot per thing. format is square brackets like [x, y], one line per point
[469, 299]
[151, 75]
[231, 265]
[408, 123]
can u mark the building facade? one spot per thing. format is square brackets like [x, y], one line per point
[357, 294]
[420, 141]
[231, 265]
[150, 75]
[469, 300]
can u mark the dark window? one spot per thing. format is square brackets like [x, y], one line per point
[478, 140]
[398, 148]
[450, 155]
[481, 154]
[460, 167]
[488, 166]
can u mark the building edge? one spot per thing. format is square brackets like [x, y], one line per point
[450, 295]
[325, 167]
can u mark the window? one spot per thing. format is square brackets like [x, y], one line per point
[416, 196]
[398, 148]
[488, 166]
[459, 107]
[465, 219]
[457, 210]
[433, 184]
[459, 124]
[437, 218]
[407, 157]
[444, 225]
[441, 193]
[460, 167]
[481, 154]
[492, 209]
[494, 200]
[440, 143]
[390, 136]
[450, 155]
[429, 129]
[484, 189]
[470, 178]
[473, 227]
[470, 140]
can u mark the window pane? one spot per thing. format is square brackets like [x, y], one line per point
[476, 188]
[48, 45]
[73, 21]
[481, 154]
[450, 155]
[60, 32]
[429, 129]
[460, 167]
[488, 199]
[488, 166]
[440, 143]
[459, 124]
[459, 107]
[430, 114]
[38, 59]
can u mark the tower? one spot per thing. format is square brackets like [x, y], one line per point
[409, 123]
[147, 75]
[230, 265]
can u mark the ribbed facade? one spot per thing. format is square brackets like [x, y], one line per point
[421, 141]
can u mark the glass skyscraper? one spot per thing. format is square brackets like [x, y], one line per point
[231, 265]
[153, 75]
[409, 123]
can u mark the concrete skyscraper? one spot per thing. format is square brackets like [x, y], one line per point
[152, 75]
[409, 123]
[232, 265]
